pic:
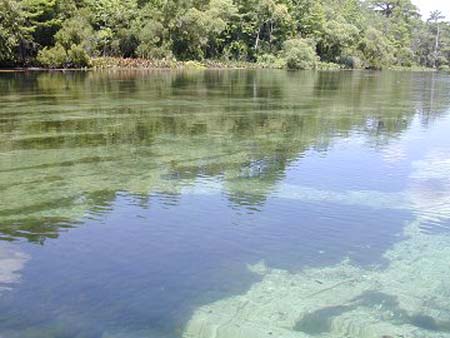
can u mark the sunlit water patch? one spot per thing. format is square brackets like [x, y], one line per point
[139, 200]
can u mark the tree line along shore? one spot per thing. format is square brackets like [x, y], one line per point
[293, 34]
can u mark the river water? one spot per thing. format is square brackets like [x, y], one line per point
[224, 204]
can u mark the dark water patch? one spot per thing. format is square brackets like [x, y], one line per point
[35, 229]
[320, 321]
[72, 141]
[24, 223]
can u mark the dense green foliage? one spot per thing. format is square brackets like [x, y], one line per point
[293, 33]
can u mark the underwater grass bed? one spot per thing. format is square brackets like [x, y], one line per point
[408, 298]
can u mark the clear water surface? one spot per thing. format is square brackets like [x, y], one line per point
[129, 200]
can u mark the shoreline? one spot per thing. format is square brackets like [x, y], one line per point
[74, 70]
[112, 63]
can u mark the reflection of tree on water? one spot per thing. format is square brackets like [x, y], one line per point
[70, 142]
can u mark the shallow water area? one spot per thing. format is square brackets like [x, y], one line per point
[224, 204]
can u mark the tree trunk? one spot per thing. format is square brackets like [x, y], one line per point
[257, 39]
[436, 47]
[270, 35]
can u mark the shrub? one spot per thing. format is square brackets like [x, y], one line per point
[351, 61]
[153, 44]
[270, 61]
[58, 57]
[404, 57]
[236, 50]
[76, 31]
[149, 51]
[328, 66]
[77, 57]
[54, 57]
[376, 49]
[444, 68]
[194, 65]
[299, 54]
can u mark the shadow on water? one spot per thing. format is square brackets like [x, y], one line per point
[150, 192]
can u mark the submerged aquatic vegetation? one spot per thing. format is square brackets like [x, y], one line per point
[408, 298]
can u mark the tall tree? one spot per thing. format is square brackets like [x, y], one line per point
[434, 21]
